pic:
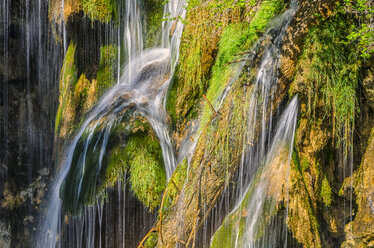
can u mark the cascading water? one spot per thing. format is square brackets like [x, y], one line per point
[261, 101]
[133, 33]
[250, 193]
[250, 219]
[175, 11]
[141, 90]
[235, 170]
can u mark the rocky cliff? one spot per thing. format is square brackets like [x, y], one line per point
[219, 117]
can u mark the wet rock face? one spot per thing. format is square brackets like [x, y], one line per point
[28, 101]
[87, 54]
[13, 58]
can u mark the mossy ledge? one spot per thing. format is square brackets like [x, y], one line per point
[97, 10]
[79, 94]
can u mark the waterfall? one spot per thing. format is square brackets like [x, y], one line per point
[258, 133]
[141, 89]
[172, 30]
[265, 156]
[133, 33]
[254, 211]
[274, 176]
[260, 107]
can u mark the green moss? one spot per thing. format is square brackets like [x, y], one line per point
[68, 79]
[223, 236]
[151, 241]
[79, 186]
[116, 167]
[154, 11]
[141, 157]
[175, 185]
[116, 159]
[100, 10]
[171, 98]
[178, 178]
[197, 52]
[147, 173]
[241, 36]
[325, 193]
[304, 164]
[105, 73]
[236, 38]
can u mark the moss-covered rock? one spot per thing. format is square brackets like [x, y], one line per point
[68, 79]
[147, 173]
[333, 87]
[78, 94]
[222, 128]
[105, 74]
[329, 106]
[131, 148]
[82, 184]
[198, 50]
[100, 10]
[209, 63]
[302, 220]
[235, 39]
[97, 10]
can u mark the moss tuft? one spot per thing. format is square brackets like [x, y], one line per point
[105, 73]
[151, 241]
[99, 10]
[325, 193]
[67, 81]
[116, 167]
[147, 173]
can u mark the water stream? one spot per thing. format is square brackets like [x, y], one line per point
[141, 89]
[70, 197]
[262, 148]
[251, 222]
